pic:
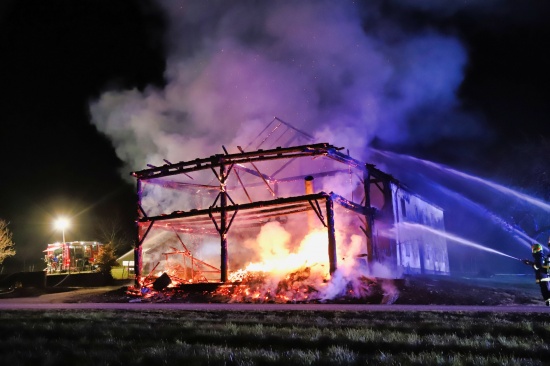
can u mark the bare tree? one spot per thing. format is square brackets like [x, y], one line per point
[7, 248]
[111, 231]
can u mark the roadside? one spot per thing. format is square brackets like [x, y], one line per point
[56, 295]
[502, 290]
[506, 290]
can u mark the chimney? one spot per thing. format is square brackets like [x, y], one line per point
[309, 184]
[308, 181]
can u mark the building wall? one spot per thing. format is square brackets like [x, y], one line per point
[419, 247]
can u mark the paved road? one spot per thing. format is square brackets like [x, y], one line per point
[58, 301]
[267, 307]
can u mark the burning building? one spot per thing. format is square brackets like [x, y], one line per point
[307, 209]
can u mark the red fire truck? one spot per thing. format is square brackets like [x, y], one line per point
[74, 256]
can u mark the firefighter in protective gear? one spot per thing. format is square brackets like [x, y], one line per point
[541, 265]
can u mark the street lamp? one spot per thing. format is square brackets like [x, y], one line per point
[61, 224]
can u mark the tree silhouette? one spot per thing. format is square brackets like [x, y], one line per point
[7, 248]
[106, 260]
[112, 231]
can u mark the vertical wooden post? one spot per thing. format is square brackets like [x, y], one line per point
[331, 236]
[223, 225]
[137, 244]
[368, 217]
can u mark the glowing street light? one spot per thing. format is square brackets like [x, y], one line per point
[61, 224]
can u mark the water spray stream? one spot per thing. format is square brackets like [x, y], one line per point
[524, 197]
[454, 238]
[518, 235]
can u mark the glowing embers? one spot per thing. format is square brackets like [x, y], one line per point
[261, 287]
[300, 286]
[283, 272]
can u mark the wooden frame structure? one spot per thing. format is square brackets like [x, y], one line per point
[224, 212]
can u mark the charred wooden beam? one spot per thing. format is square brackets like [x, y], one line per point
[352, 206]
[223, 225]
[216, 161]
[259, 174]
[331, 236]
[242, 207]
[137, 242]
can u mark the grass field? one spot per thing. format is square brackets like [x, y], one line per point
[77, 337]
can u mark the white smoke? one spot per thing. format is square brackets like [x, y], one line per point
[232, 66]
[339, 72]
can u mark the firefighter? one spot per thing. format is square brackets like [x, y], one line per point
[541, 265]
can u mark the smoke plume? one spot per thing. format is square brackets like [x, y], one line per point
[336, 70]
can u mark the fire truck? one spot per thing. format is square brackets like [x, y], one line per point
[74, 256]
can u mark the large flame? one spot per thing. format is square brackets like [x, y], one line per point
[288, 272]
[276, 258]
[283, 274]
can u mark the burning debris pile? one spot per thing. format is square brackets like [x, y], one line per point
[260, 287]
[300, 286]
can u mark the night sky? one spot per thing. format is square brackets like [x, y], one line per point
[59, 57]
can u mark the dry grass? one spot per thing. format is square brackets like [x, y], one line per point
[262, 338]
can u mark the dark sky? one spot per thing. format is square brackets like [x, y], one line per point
[56, 56]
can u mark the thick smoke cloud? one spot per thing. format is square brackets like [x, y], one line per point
[338, 72]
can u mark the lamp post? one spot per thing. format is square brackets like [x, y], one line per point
[61, 224]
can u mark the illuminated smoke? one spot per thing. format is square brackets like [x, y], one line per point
[337, 70]
[334, 69]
